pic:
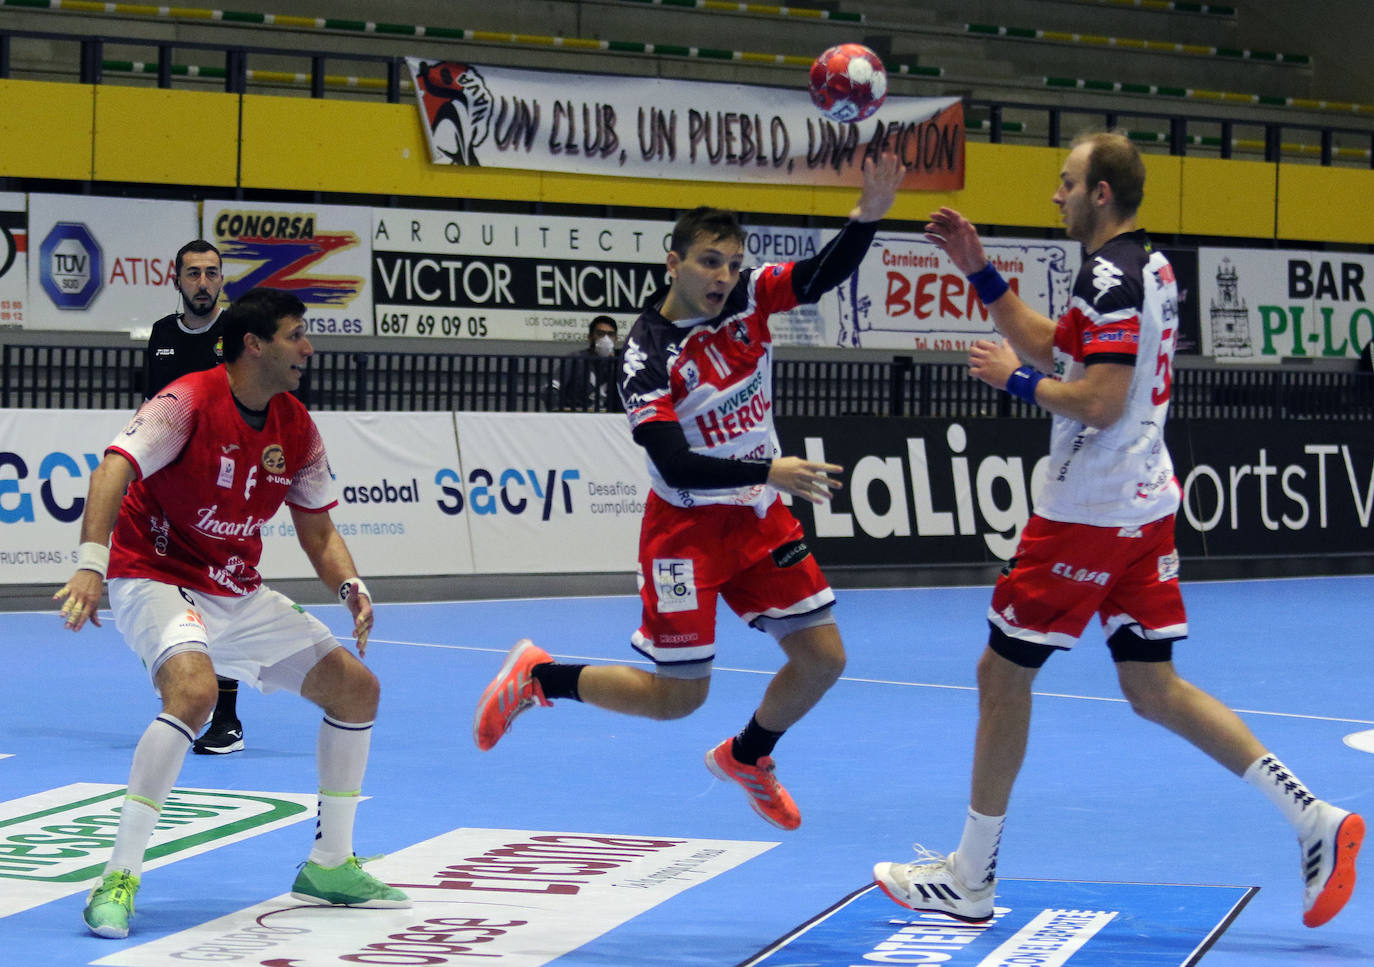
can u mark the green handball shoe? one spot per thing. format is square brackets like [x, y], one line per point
[345, 885]
[111, 904]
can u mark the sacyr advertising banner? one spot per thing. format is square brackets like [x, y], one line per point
[46, 459]
[391, 482]
[1264, 306]
[548, 493]
[317, 252]
[655, 127]
[104, 264]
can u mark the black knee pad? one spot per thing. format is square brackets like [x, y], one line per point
[1126, 645]
[1027, 654]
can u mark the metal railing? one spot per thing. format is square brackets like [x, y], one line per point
[105, 377]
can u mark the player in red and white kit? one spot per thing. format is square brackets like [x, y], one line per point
[207, 462]
[1101, 540]
[696, 383]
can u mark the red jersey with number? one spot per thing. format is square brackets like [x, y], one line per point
[1124, 310]
[208, 482]
[714, 377]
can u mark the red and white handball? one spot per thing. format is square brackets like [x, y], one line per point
[848, 82]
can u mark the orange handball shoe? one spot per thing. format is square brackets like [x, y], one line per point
[511, 692]
[1328, 863]
[766, 795]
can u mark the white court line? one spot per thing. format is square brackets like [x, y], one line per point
[868, 681]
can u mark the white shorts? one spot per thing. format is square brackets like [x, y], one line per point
[263, 639]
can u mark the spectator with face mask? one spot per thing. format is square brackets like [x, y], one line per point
[586, 377]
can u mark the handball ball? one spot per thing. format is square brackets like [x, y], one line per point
[848, 82]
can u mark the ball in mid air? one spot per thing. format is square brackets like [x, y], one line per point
[848, 82]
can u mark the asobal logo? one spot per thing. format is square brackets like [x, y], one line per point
[55, 843]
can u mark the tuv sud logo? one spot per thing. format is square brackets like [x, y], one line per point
[70, 266]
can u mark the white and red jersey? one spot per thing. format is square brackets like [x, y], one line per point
[1124, 310]
[208, 482]
[715, 378]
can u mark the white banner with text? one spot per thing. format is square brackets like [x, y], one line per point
[656, 127]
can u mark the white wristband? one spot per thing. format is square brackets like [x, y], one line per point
[91, 556]
[353, 585]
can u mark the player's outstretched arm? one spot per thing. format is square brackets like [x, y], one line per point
[329, 556]
[804, 479]
[80, 596]
[881, 178]
[1030, 333]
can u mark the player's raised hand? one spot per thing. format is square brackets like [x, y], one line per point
[955, 234]
[882, 176]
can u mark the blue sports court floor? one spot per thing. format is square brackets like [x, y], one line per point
[586, 838]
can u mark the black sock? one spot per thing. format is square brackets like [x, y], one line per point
[753, 743]
[226, 703]
[558, 681]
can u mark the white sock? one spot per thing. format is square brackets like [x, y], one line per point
[158, 758]
[975, 861]
[341, 753]
[1272, 777]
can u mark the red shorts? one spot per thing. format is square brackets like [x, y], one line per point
[762, 567]
[1063, 573]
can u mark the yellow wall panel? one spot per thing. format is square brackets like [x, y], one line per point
[45, 130]
[60, 131]
[1326, 204]
[1005, 185]
[165, 136]
[1159, 212]
[1227, 198]
[324, 145]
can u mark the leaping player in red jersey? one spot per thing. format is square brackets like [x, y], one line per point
[1101, 539]
[697, 387]
[206, 462]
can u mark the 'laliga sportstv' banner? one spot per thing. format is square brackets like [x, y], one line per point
[659, 128]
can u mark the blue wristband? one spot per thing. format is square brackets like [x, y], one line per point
[1023, 381]
[989, 284]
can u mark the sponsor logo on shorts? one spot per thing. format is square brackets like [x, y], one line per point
[55, 843]
[1168, 566]
[1082, 575]
[675, 584]
[793, 552]
[509, 896]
